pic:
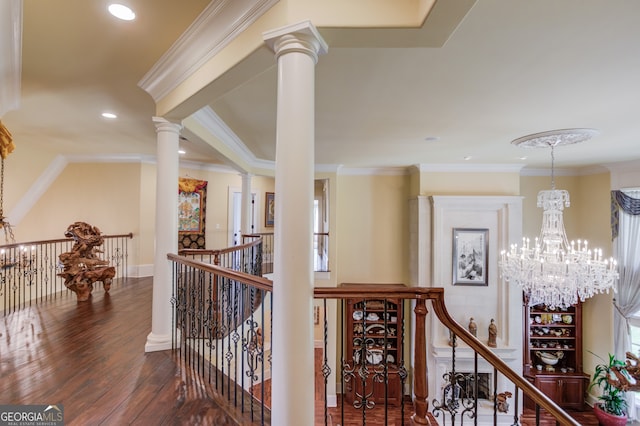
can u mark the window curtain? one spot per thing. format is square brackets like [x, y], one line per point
[625, 221]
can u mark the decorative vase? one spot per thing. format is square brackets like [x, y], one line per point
[607, 419]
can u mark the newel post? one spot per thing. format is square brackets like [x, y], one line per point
[420, 383]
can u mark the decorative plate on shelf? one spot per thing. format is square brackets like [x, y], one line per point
[375, 329]
[357, 315]
[374, 356]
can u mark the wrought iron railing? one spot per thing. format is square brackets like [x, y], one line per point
[223, 329]
[219, 315]
[320, 250]
[28, 271]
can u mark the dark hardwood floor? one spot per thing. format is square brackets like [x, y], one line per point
[89, 357]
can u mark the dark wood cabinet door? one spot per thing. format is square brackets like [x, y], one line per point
[549, 387]
[374, 389]
[571, 392]
[566, 391]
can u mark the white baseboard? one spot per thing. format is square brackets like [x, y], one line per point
[140, 271]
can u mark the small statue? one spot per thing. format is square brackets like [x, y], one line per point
[473, 327]
[493, 332]
[502, 403]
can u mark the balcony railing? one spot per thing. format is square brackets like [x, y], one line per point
[28, 271]
[320, 250]
[222, 319]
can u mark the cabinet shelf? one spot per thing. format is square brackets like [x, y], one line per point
[564, 382]
[553, 325]
[385, 350]
[551, 338]
[552, 350]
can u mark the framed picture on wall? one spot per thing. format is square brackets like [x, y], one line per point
[470, 256]
[269, 209]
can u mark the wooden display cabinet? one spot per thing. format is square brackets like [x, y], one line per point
[373, 348]
[555, 335]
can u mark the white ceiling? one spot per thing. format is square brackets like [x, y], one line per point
[510, 68]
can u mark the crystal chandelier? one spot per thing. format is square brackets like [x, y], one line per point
[551, 270]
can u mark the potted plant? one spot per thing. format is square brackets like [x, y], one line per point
[612, 406]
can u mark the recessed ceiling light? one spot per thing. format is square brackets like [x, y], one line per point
[182, 151]
[109, 115]
[522, 158]
[467, 157]
[121, 11]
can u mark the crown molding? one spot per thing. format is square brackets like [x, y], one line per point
[581, 171]
[371, 171]
[11, 54]
[211, 122]
[470, 168]
[218, 24]
[218, 168]
[37, 190]
[110, 158]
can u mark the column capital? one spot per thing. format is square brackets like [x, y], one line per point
[302, 37]
[165, 125]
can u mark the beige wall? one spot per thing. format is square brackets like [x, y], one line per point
[372, 229]
[441, 183]
[101, 194]
[145, 241]
[22, 169]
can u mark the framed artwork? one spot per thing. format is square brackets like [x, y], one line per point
[470, 256]
[192, 197]
[269, 209]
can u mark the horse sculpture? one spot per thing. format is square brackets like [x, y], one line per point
[82, 267]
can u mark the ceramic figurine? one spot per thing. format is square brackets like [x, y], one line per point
[473, 327]
[493, 332]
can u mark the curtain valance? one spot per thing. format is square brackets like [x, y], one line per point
[624, 202]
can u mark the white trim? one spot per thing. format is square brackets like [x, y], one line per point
[110, 158]
[583, 171]
[220, 168]
[37, 189]
[140, 271]
[211, 122]
[218, 24]
[370, 171]
[11, 54]
[471, 168]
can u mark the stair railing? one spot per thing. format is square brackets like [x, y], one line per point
[28, 271]
[455, 404]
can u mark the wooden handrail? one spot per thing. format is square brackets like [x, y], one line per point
[421, 294]
[220, 251]
[436, 295]
[253, 280]
[59, 240]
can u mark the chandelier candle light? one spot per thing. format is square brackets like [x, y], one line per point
[552, 271]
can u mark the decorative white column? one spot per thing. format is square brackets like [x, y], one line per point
[166, 234]
[245, 215]
[297, 48]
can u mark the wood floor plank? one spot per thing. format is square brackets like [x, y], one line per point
[89, 357]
